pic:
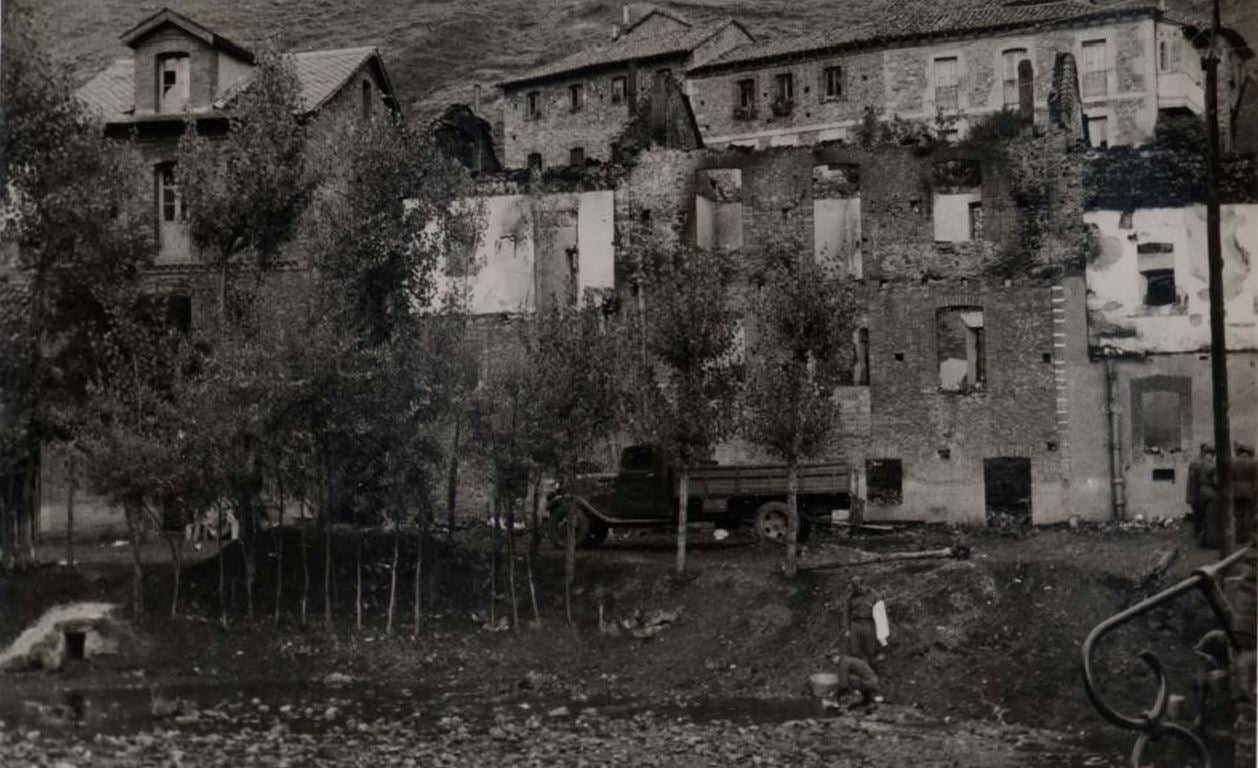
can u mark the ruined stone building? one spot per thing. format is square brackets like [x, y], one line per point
[1029, 335]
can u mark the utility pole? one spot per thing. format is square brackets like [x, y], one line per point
[1218, 328]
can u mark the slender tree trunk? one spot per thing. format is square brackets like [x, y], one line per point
[493, 559]
[419, 572]
[70, 512]
[683, 499]
[397, 546]
[792, 518]
[278, 538]
[515, 605]
[134, 521]
[358, 577]
[327, 547]
[222, 569]
[570, 555]
[305, 562]
[175, 542]
[528, 567]
[250, 552]
[452, 480]
[535, 527]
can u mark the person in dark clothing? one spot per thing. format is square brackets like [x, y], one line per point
[856, 620]
[1193, 491]
[1244, 492]
[1209, 537]
[855, 675]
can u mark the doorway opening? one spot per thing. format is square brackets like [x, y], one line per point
[1007, 490]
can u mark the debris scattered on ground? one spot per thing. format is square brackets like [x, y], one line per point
[650, 626]
[956, 552]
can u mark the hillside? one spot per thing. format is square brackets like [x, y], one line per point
[437, 49]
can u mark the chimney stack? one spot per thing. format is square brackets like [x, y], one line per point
[615, 32]
[625, 10]
[476, 99]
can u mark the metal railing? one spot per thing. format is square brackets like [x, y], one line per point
[1153, 724]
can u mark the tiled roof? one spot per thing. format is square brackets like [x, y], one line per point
[111, 94]
[912, 22]
[625, 49]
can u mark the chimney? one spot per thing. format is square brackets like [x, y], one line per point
[625, 10]
[615, 32]
[476, 99]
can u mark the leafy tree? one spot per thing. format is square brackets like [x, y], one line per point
[80, 235]
[802, 321]
[576, 392]
[690, 376]
[244, 191]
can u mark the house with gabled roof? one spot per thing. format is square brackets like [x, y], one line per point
[179, 70]
[578, 107]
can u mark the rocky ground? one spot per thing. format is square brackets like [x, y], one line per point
[982, 667]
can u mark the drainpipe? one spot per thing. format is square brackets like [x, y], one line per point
[1117, 483]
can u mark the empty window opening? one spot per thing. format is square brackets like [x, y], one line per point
[1050, 446]
[784, 89]
[899, 357]
[1046, 357]
[947, 79]
[1159, 287]
[862, 357]
[832, 82]
[960, 343]
[945, 453]
[534, 103]
[535, 161]
[1007, 489]
[1164, 475]
[1095, 69]
[1010, 60]
[618, 90]
[367, 99]
[884, 482]
[576, 156]
[957, 200]
[719, 208]
[576, 97]
[1098, 132]
[169, 198]
[745, 99]
[173, 86]
[836, 217]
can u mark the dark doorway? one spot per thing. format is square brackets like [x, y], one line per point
[1007, 489]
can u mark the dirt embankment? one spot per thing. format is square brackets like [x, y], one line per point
[994, 638]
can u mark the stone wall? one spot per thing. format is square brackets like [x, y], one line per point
[900, 81]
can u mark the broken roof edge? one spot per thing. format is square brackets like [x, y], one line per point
[732, 61]
[167, 16]
[713, 30]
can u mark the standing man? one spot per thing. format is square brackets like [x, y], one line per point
[1244, 492]
[856, 620]
[1193, 491]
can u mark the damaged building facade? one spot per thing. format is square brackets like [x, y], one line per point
[945, 167]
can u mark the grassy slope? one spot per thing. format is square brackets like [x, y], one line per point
[436, 49]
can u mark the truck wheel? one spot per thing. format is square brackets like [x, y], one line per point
[559, 526]
[771, 521]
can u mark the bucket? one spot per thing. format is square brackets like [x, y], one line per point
[823, 684]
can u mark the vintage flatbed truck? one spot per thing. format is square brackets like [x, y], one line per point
[642, 493]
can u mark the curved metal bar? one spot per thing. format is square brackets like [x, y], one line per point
[1151, 722]
[1176, 731]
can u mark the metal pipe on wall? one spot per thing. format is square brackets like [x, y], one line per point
[1118, 485]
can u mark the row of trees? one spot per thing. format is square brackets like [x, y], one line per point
[335, 357]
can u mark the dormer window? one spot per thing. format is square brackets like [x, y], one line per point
[173, 90]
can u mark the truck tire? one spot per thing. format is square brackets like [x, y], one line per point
[772, 521]
[590, 530]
